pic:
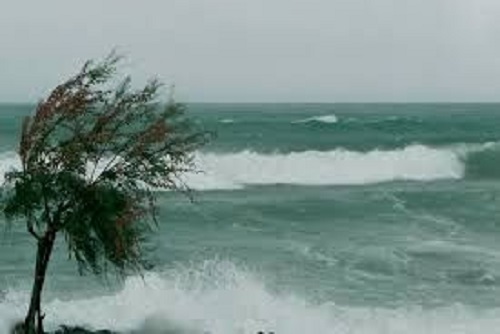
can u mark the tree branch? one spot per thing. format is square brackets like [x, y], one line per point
[31, 230]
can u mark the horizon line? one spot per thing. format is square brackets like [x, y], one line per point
[298, 102]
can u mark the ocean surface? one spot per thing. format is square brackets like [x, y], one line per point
[308, 219]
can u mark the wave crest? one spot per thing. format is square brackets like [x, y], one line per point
[218, 297]
[329, 119]
[337, 167]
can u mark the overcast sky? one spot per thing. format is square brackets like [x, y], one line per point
[262, 50]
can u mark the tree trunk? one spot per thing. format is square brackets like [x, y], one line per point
[33, 323]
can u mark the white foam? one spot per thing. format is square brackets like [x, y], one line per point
[8, 162]
[217, 297]
[337, 167]
[11, 161]
[330, 119]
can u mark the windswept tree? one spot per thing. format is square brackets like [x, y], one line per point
[93, 154]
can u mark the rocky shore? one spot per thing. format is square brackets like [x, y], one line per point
[80, 330]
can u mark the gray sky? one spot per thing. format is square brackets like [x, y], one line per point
[262, 50]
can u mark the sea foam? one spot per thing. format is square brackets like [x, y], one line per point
[8, 161]
[330, 119]
[218, 297]
[335, 167]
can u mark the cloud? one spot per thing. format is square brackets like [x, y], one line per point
[274, 50]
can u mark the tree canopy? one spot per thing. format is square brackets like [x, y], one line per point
[93, 154]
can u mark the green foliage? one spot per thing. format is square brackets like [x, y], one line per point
[92, 157]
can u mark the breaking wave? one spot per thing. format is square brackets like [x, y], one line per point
[320, 119]
[335, 167]
[218, 297]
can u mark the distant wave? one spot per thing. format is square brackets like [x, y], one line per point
[320, 119]
[227, 121]
[219, 297]
[335, 167]
[388, 119]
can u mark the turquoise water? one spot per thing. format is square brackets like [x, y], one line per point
[309, 218]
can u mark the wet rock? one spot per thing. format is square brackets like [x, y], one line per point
[81, 330]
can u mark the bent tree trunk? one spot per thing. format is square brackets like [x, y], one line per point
[33, 323]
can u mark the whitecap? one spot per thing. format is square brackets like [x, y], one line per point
[330, 119]
[219, 297]
[227, 121]
[336, 167]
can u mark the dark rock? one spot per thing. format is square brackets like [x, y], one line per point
[17, 328]
[81, 330]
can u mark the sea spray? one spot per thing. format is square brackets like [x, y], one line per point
[219, 171]
[8, 161]
[219, 297]
[336, 167]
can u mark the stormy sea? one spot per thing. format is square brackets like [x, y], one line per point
[306, 219]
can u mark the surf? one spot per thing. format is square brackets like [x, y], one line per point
[220, 297]
[416, 163]
[335, 167]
